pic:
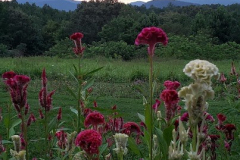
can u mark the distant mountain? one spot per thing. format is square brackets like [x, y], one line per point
[165, 3]
[66, 5]
[137, 3]
[222, 2]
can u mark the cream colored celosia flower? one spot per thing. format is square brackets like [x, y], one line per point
[121, 143]
[175, 151]
[18, 155]
[201, 70]
[183, 135]
[159, 115]
[70, 142]
[16, 142]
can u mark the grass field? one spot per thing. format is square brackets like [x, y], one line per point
[114, 84]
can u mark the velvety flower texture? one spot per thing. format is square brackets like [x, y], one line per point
[89, 140]
[169, 96]
[76, 37]
[171, 85]
[94, 119]
[151, 36]
[131, 127]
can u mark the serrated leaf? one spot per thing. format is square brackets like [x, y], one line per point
[73, 110]
[141, 117]
[133, 146]
[102, 148]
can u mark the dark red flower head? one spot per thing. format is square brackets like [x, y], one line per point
[131, 127]
[151, 36]
[214, 137]
[169, 96]
[94, 119]
[89, 140]
[76, 36]
[171, 85]
[221, 118]
[8, 75]
[185, 117]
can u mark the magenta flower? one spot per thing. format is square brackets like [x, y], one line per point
[94, 119]
[59, 115]
[151, 36]
[170, 97]
[185, 117]
[222, 78]
[228, 130]
[41, 114]
[17, 85]
[233, 70]
[156, 105]
[45, 98]
[62, 139]
[77, 37]
[131, 127]
[171, 85]
[89, 140]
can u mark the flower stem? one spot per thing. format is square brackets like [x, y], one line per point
[24, 131]
[151, 103]
[79, 94]
[46, 134]
[194, 138]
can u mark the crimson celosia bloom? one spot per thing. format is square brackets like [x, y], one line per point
[185, 117]
[77, 37]
[94, 119]
[170, 97]
[131, 127]
[156, 105]
[62, 139]
[222, 78]
[228, 130]
[59, 115]
[151, 36]
[45, 98]
[18, 88]
[89, 140]
[171, 85]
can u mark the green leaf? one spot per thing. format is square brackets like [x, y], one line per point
[14, 124]
[167, 134]
[93, 71]
[76, 70]
[163, 147]
[52, 123]
[6, 122]
[74, 77]
[74, 110]
[133, 146]
[148, 117]
[71, 92]
[102, 148]
[6, 142]
[89, 84]
[141, 117]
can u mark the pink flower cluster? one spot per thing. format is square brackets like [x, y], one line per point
[94, 119]
[89, 140]
[62, 139]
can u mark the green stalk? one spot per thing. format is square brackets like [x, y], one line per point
[151, 103]
[46, 134]
[24, 128]
[79, 95]
[120, 156]
[194, 138]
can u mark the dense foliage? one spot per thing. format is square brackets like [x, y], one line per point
[207, 31]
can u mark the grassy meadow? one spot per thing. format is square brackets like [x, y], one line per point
[114, 84]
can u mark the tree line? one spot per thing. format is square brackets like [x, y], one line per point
[110, 29]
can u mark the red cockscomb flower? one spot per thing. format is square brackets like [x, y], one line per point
[89, 140]
[185, 117]
[156, 105]
[169, 96]
[151, 36]
[77, 37]
[228, 130]
[94, 119]
[171, 85]
[131, 127]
